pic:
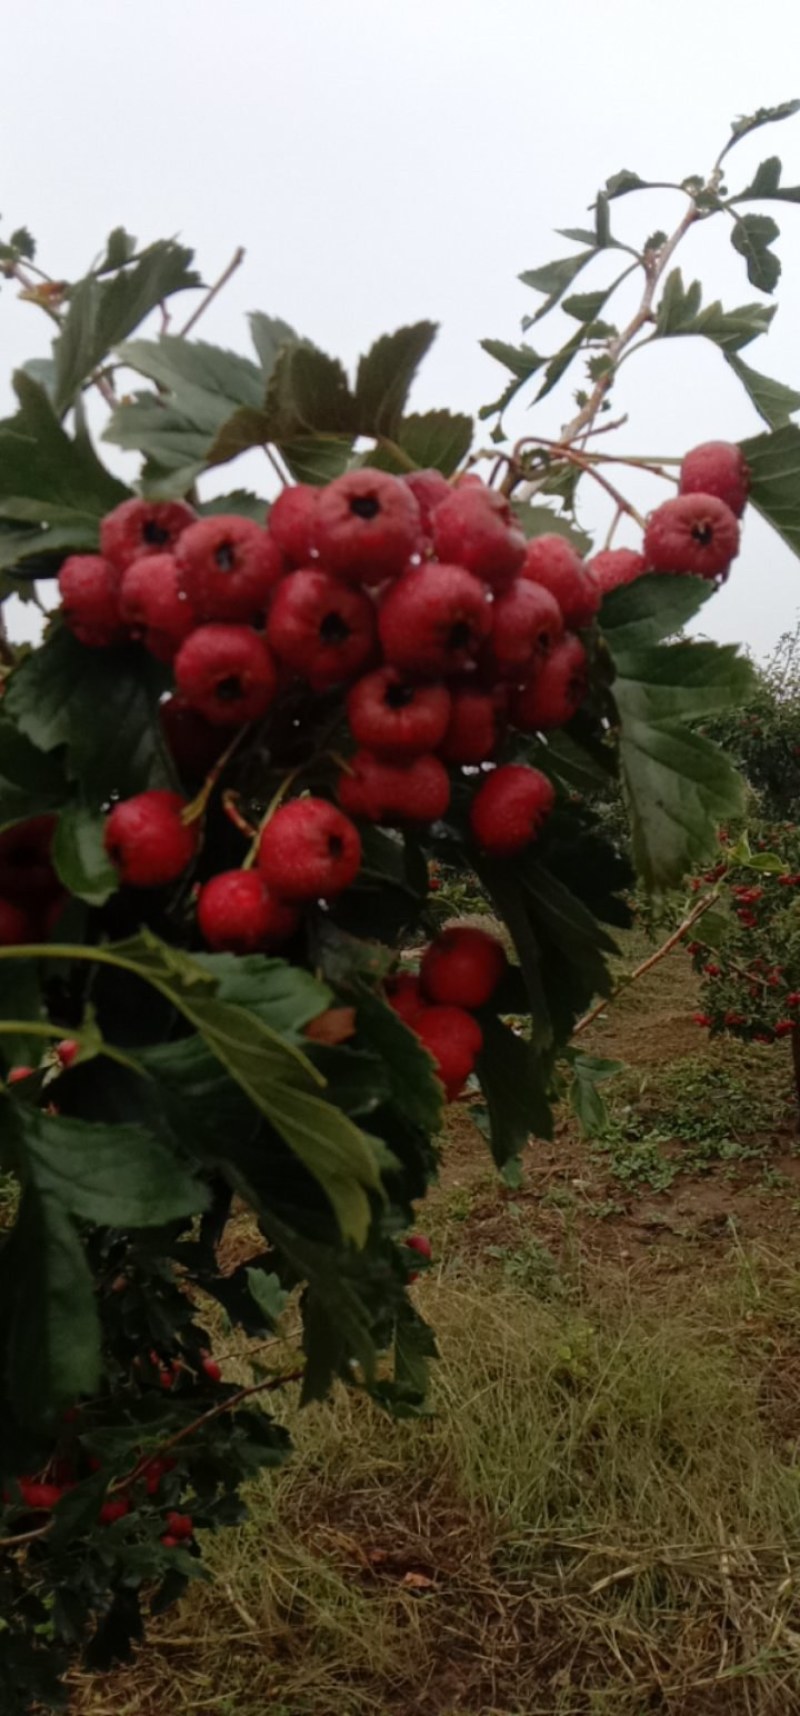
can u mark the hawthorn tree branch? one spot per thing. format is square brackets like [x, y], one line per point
[647, 964]
[235, 262]
[272, 1383]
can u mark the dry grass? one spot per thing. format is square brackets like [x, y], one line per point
[602, 1518]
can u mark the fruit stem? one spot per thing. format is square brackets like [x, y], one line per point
[235, 262]
[197, 808]
[274, 804]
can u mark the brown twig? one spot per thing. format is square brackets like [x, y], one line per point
[233, 1400]
[235, 262]
[647, 964]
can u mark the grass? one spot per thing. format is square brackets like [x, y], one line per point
[601, 1518]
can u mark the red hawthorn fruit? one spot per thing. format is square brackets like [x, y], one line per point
[762, 1037]
[322, 628]
[468, 480]
[455, 1040]
[227, 567]
[462, 967]
[89, 587]
[509, 809]
[170, 1542]
[26, 871]
[367, 527]
[309, 851]
[475, 725]
[397, 718]
[40, 1498]
[237, 913]
[433, 620]
[615, 566]
[227, 673]
[67, 1052]
[291, 523]
[784, 1027]
[14, 924]
[701, 1019]
[416, 790]
[476, 528]
[210, 1368]
[194, 743]
[140, 527]
[17, 1074]
[694, 533]
[793, 1000]
[147, 841]
[717, 468]
[115, 1508]
[734, 1019]
[555, 690]
[405, 996]
[711, 970]
[527, 623]
[420, 1243]
[154, 1471]
[179, 1525]
[553, 562]
[151, 603]
[429, 489]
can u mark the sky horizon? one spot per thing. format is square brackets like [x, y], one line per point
[382, 163]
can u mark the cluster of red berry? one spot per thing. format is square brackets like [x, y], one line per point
[459, 973]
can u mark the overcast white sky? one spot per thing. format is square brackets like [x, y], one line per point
[387, 160]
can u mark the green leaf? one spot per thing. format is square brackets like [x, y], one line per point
[120, 247]
[102, 313]
[118, 1176]
[763, 116]
[54, 697]
[766, 185]
[24, 243]
[522, 361]
[555, 278]
[269, 335]
[242, 502]
[752, 236]
[284, 996]
[47, 477]
[200, 387]
[621, 183]
[585, 306]
[773, 400]
[653, 607]
[585, 1100]
[50, 1326]
[544, 521]
[413, 1086]
[438, 440]
[679, 312]
[774, 462]
[512, 1079]
[278, 1079]
[560, 363]
[602, 224]
[307, 393]
[681, 681]
[80, 857]
[31, 784]
[268, 1295]
[385, 376]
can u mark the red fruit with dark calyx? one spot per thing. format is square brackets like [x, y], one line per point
[237, 913]
[395, 717]
[692, 534]
[552, 562]
[179, 1525]
[117, 1507]
[67, 1052]
[227, 567]
[40, 1498]
[14, 924]
[420, 1243]
[455, 1040]
[152, 605]
[142, 527]
[405, 996]
[615, 566]
[555, 691]
[717, 468]
[322, 628]
[462, 968]
[368, 525]
[429, 489]
[227, 673]
[194, 743]
[510, 808]
[475, 528]
[527, 623]
[26, 870]
[17, 1074]
[147, 841]
[433, 620]
[378, 790]
[309, 851]
[89, 587]
[475, 726]
[291, 523]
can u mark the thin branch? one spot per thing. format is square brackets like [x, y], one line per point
[647, 964]
[235, 262]
[272, 1383]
